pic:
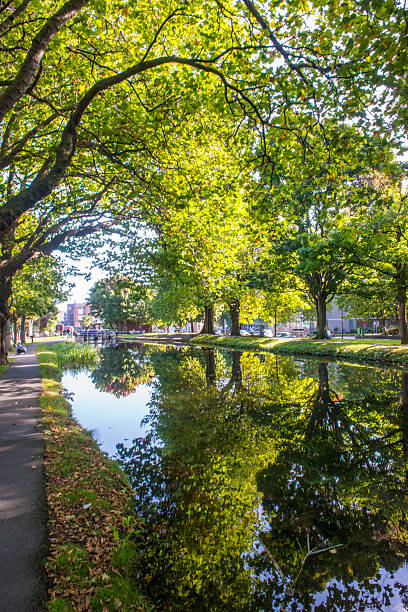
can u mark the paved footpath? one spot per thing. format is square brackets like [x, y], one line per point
[22, 492]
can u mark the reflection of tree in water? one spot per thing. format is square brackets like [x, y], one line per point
[197, 492]
[331, 471]
[338, 484]
[122, 370]
[198, 521]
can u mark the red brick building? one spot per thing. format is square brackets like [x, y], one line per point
[74, 314]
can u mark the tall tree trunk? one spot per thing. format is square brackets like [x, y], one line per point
[192, 326]
[321, 308]
[5, 293]
[234, 309]
[402, 318]
[274, 322]
[401, 281]
[208, 327]
[14, 330]
[22, 329]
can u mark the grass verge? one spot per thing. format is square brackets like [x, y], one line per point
[45, 339]
[353, 350]
[4, 368]
[90, 509]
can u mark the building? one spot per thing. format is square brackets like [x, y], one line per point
[74, 314]
[336, 322]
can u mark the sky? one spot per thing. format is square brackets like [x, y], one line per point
[81, 288]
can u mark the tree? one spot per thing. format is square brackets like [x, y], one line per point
[367, 295]
[205, 246]
[72, 166]
[87, 321]
[382, 248]
[118, 300]
[37, 288]
[69, 164]
[318, 202]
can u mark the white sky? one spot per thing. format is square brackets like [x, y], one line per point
[80, 291]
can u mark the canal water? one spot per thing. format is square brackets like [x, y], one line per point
[263, 482]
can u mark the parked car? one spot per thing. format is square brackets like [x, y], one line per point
[219, 332]
[245, 332]
[283, 334]
[268, 333]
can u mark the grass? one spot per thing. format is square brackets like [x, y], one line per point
[90, 503]
[385, 342]
[355, 350]
[4, 368]
[48, 339]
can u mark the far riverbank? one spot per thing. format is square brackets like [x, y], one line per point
[352, 350]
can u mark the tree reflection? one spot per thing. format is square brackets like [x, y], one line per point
[122, 370]
[337, 485]
[270, 484]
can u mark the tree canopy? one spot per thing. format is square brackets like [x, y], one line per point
[97, 102]
[120, 300]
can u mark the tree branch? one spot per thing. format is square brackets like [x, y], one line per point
[9, 20]
[27, 73]
[44, 184]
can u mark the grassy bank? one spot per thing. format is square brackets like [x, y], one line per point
[365, 350]
[90, 522]
[45, 339]
[4, 368]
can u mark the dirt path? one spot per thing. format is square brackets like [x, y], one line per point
[22, 492]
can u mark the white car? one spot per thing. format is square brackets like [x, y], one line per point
[283, 334]
[245, 332]
[268, 333]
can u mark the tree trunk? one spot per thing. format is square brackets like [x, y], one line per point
[208, 327]
[192, 326]
[401, 282]
[274, 323]
[22, 329]
[321, 307]
[5, 293]
[402, 318]
[234, 309]
[15, 331]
